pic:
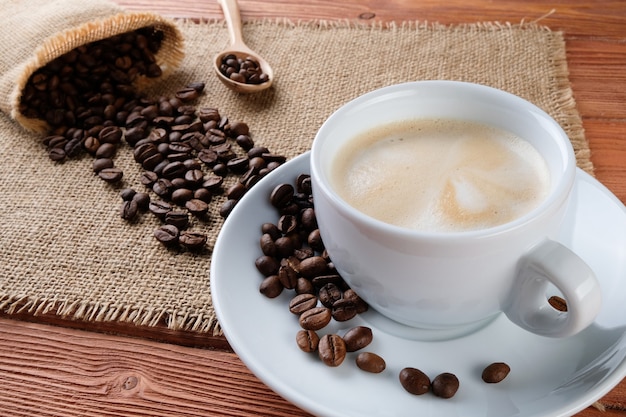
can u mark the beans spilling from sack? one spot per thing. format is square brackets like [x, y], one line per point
[90, 101]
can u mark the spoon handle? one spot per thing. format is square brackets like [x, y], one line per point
[232, 15]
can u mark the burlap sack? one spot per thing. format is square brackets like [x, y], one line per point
[51, 28]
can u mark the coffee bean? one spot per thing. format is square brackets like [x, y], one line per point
[102, 163]
[106, 150]
[236, 191]
[370, 362]
[127, 194]
[271, 229]
[343, 310]
[192, 240]
[180, 196]
[307, 340]
[329, 294]
[148, 178]
[301, 303]
[495, 372]
[57, 154]
[314, 240]
[287, 274]
[308, 219]
[110, 134]
[129, 209]
[445, 385]
[238, 165]
[360, 304]
[227, 207]
[111, 174]
[357, 338]
[315, 318]
[178, 218]
[245, 142]
[197, 207]
[558, 303]
[313, 266]
[282, 195]
[284, 246]
[268, 247]
[303, 184]
[160, 208]
[271, 286]
[331, 349]
[414, 381]
[142, 200]
[73, 148]
[167, 234]
[321, 280]
[91, 145]
[267, 265]
[187, 94]
[203, 194]
[287, 223]
[304, 286]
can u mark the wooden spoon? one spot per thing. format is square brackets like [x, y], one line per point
[238, 48]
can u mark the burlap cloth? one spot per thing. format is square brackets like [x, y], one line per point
[65, 250]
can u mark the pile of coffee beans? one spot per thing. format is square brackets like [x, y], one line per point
[294, 258]
[89, 99]
[243, 70]
[85, 87]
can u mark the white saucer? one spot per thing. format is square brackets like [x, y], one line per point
[549, 377]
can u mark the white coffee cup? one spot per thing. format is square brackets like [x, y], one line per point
[457, 280]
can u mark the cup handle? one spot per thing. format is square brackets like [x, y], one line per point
[551, 262]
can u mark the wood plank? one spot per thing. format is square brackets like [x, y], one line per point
[608, 153]
[598, 76]
[576, 17]
[51, 371]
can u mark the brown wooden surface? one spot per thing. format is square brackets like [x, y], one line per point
[52, 367]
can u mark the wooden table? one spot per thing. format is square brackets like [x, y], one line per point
[51, 367]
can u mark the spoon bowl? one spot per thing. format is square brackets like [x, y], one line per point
[239, 49]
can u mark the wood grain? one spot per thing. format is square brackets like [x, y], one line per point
[52, 371]
[50, 366]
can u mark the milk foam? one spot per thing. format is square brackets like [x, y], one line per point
[441, 175]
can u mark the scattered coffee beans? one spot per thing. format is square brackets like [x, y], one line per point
[245, 71]
[414, 381]
[88, 98]
[445, 385]
[495, 372]
[370, 362]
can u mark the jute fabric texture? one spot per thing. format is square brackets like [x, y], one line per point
[64, 249]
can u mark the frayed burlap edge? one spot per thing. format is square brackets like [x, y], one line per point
[169, 56]
[111, 312]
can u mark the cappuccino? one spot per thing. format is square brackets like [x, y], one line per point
[440, 175]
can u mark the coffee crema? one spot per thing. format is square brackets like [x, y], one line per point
[440, 175]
